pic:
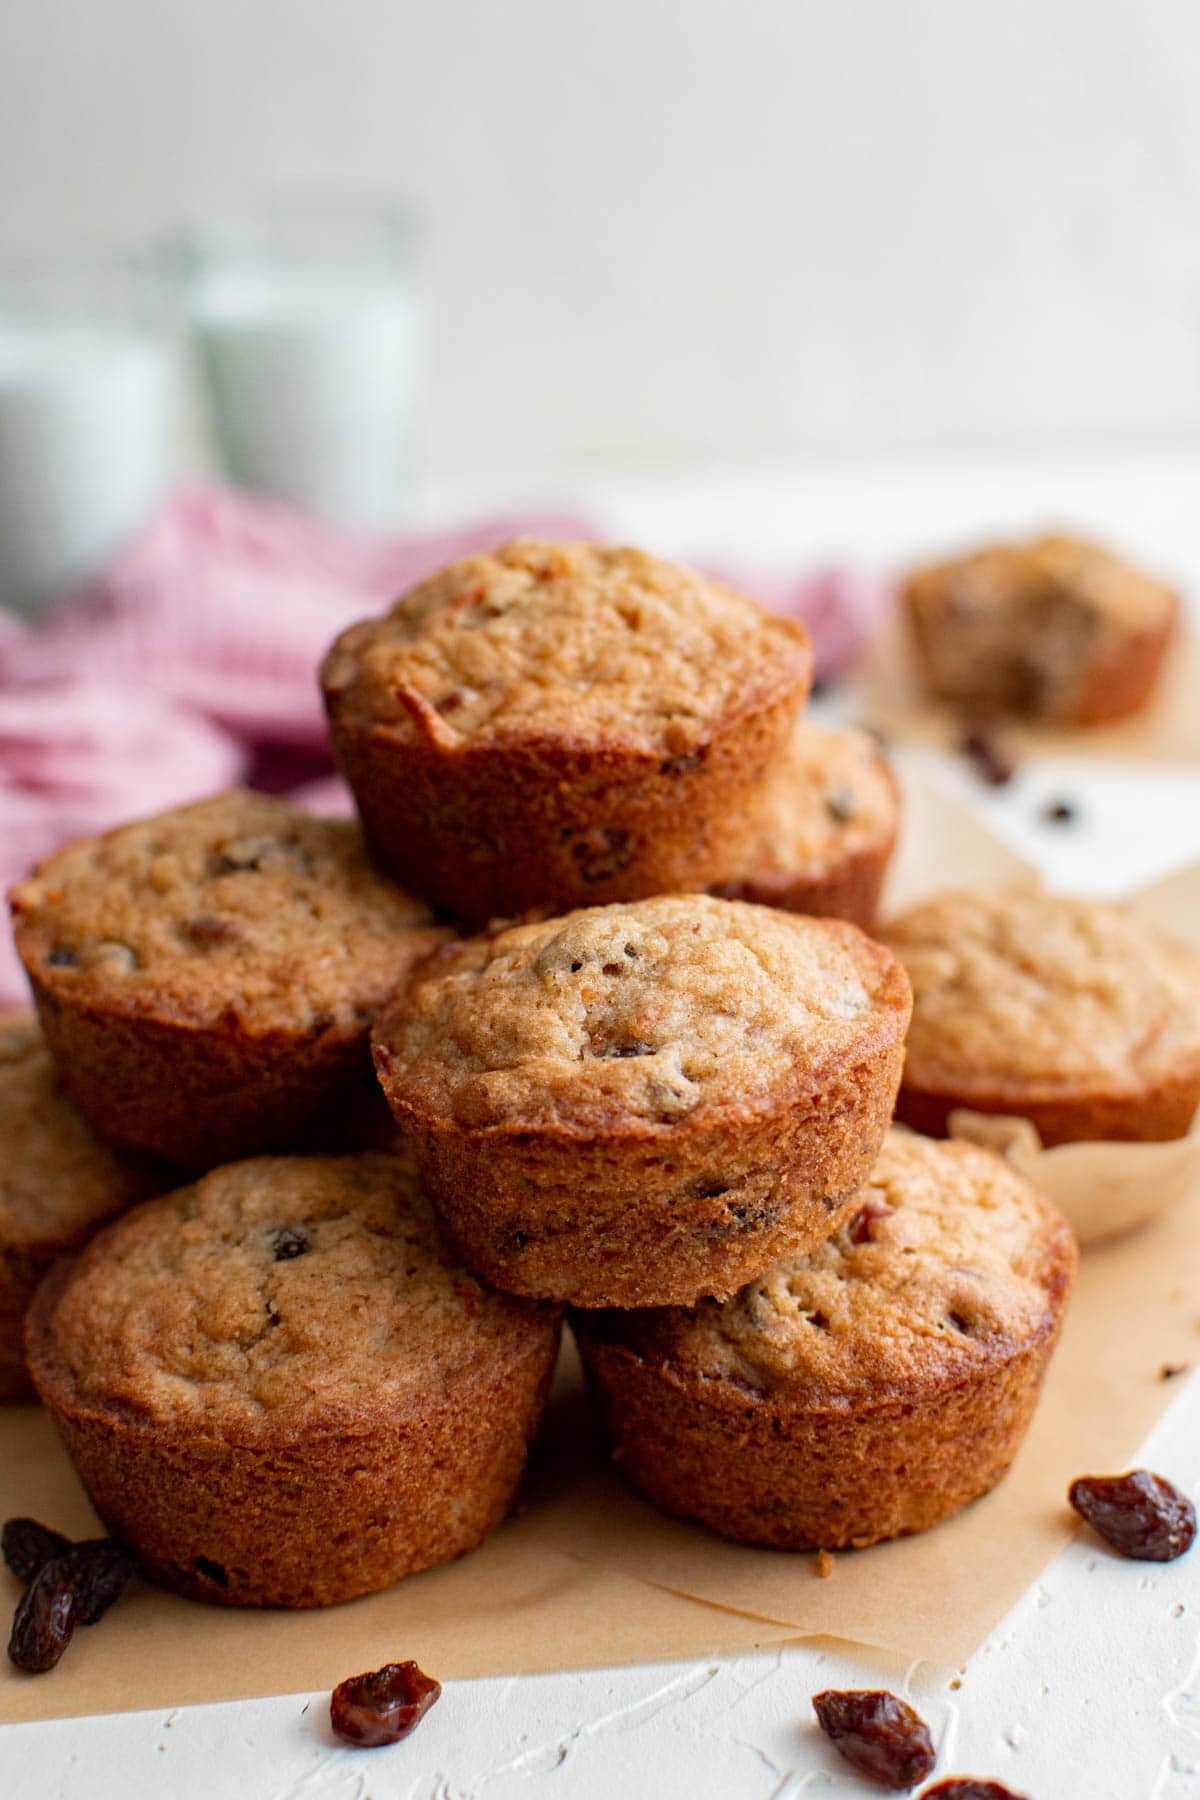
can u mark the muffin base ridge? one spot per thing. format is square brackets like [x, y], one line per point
[771, 1475]
[491, 830]
[581, 1219]
[316, 1518]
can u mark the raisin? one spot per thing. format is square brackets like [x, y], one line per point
[209, 930]
[1140, 1514]
[209, 1570]
[841, 805]
[100, 1568]
[287, 1244]
[966, 1787]
[861, 1225]
[603, 853]
[682, 764]
[635, 1047]
[991, 763]
[878, 1734]
[62, 958]
[382, 1707]
[27, 1545]
[45, 1618]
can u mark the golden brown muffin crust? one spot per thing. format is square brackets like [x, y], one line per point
[577, 641]
[240, 911]
[863, 1391]
[276, 1297]
[1058, 627]
[954, 1262]
[56, 1180]
[642, 1014]
[831, 798]
[1039, 995]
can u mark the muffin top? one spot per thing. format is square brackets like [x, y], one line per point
[832, 797]
[1019, 574]
[1043, 995]
[637, 1015]
[953, 1262]
[276, 1296]
[240, 910]
[56, 1181]
[571, 640]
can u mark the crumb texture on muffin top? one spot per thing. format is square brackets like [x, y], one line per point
[285, 1291]
[576, 640]
[832, 796]
[56, 1180]
[953, 1261]
[647, 1011]
[1055, 994]
[240, 909]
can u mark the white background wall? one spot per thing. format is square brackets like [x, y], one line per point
[688, 230]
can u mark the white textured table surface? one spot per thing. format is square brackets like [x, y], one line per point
[1090, 1690]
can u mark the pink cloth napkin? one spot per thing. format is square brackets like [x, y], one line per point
[191, 663]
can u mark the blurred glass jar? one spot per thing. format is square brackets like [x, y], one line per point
[308, 331]
[87, 416]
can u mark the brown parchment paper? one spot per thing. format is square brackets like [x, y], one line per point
[1168, 729]
[588, 1575]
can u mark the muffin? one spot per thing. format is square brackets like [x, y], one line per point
[641, 1103]
[57, 1185]
[278, 1390]
[826, 829]
[206, 980]
[1058, 628]
[1074, 1014]
[863, 1391]
[559, 725]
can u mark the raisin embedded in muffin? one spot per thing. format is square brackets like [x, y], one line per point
[863, 1391]
[206, 980]
[57, 1186]
[278, 1390]
[1058, 628]
[1075, 1014]
[827, 824]
[640, 1103]
[562, 724]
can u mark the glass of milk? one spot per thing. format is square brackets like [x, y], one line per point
[306, 322]
[86, 418]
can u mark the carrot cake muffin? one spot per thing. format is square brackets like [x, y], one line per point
[1057, 627]
[57, 1185]
[860, 1392]
[641, 1103]
[1074, 1014]
[206, 980]
[827, 825]
[279, 1391]
[558, 725]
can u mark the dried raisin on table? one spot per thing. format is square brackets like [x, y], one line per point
[992, 763]
[966, 1787]
[1140, 1514]
[26, 1545]
[45, 1619]
[100, 1568]
[383, 1706]
[878, 1734]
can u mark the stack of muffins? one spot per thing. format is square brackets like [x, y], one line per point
[655, 1086]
